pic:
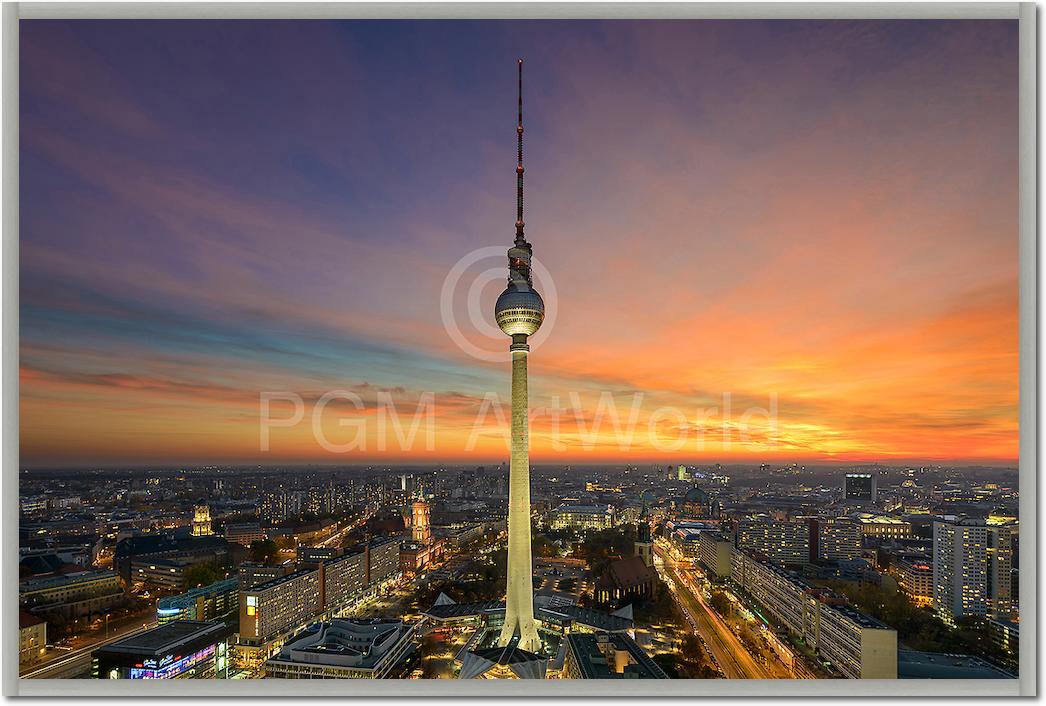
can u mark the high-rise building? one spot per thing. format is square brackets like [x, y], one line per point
[272, 611]
[716, 553]
[519, 312]
[201, 521]
[344, 579]
[860, 487]
[781, 541]
[972, 564]
[834, 538]
[855, 644]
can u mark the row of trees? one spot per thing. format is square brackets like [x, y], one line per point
[919, 627]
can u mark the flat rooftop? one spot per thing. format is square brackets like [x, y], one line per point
[280, 579]
[593, 663]
[167, 638]
[937, 665]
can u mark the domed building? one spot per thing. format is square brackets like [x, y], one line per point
[699, 504]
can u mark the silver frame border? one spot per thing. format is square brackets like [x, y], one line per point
[1025, 13]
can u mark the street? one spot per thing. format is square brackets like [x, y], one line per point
[735, 661]
[77, 662]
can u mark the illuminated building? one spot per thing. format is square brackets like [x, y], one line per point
[583, 517]
[834, 539]
[271, 611]
[697, 504]
[383, 560]
[218, 601]
[252, 574]
[419, 526]
[72, 596]
[860, 487]
[1006, 634]
[914, 575]
[244, 533]
[885, 527]
[857, 645]
[183, 649]
[32, 505]
[783, 542]
[141, 550]
[972, 564]
[344, 649]
[606, 655]
[716, 553]
[519, 312]
[422, 549]
[162, 573]
[687, 541]
[201, 521]
[315, 555]
[32, 637]
[488, 661]
[625, 579]
[344, 580]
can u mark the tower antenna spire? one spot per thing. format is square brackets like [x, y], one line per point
[520, 240]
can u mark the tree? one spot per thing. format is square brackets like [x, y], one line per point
[543, 547]
[263, 551]
[600, 547]
[919, 627]
[721, 604]
[202, 575]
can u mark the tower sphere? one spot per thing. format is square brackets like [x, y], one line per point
[519, 311]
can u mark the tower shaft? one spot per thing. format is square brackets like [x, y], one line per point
[519, 609]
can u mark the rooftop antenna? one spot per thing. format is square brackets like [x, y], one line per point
[520, 240]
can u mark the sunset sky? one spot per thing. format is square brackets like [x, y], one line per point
[818, 218]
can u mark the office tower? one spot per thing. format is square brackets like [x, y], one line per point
[519, 312]
[860, 487]
[971, 569]
[201, 521]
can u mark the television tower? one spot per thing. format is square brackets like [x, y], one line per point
[519, 312]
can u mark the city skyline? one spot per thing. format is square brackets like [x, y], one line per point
[837, 235]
